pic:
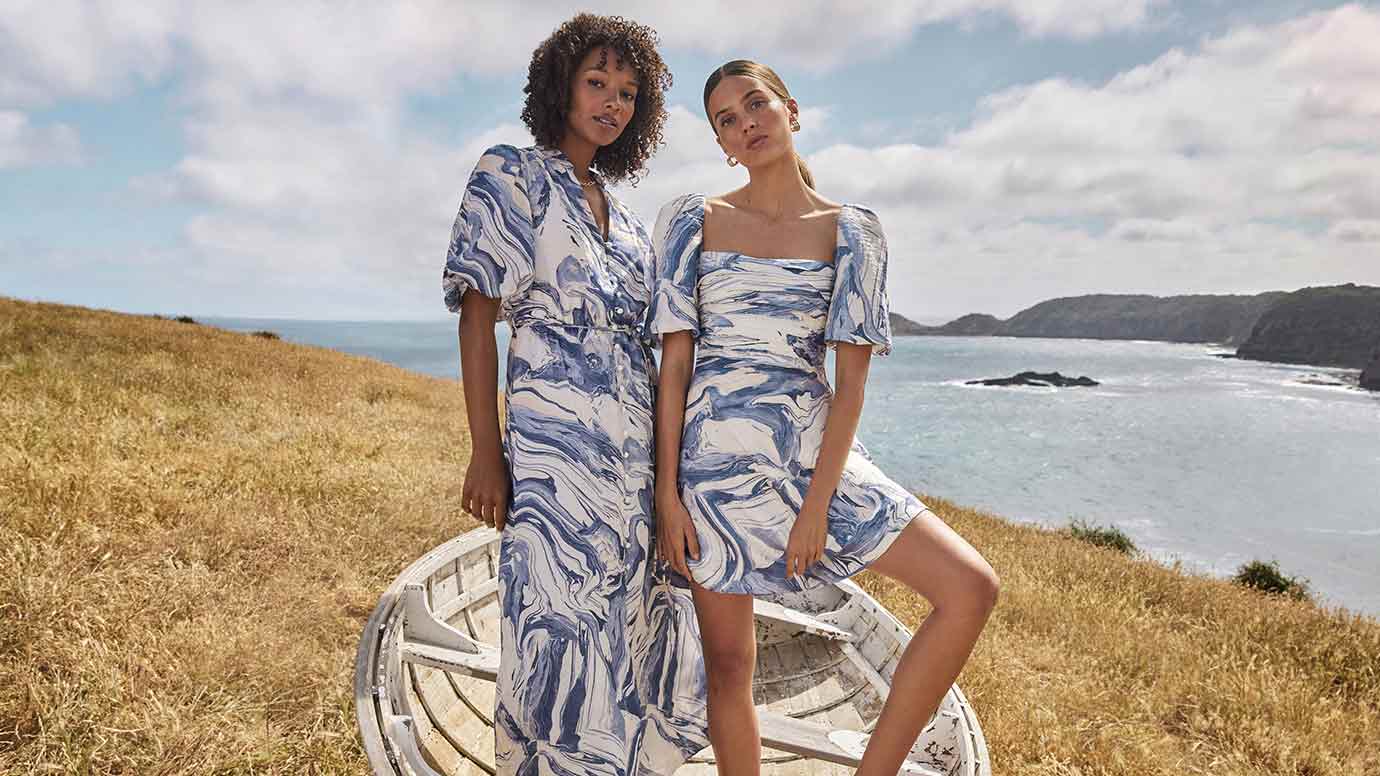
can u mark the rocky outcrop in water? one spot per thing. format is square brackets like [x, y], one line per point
[1039, 379]
[1327, 326]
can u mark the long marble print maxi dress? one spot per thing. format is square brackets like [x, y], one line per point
[759, 398]
[601, 666]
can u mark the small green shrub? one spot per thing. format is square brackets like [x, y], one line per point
[1268, 578]
[265, 334]
[1110, 537]
[185, 319]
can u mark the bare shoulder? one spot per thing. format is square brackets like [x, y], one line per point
[825, 204]
[722, 204]
[824, 208]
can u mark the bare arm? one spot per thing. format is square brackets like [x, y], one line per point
[675, 534]
[808, 535]
[486, 479]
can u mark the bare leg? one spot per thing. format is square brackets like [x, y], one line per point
[938, 564]
[730, 654]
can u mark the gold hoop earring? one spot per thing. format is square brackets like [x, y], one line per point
[795, 124]
[732, 161]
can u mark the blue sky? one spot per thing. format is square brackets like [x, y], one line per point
[305, 160]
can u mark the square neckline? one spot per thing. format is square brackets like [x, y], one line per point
[838, 236]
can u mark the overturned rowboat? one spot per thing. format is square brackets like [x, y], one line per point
[425, 669]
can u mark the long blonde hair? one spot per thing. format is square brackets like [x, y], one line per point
[767, 76]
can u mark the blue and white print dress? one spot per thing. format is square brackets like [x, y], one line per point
[759, 398]
[601, 666]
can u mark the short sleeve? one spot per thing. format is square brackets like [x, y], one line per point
[491, 244]
[859, 312]
[676, 244]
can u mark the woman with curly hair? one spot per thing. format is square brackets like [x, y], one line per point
[760, 480]
[601, 670]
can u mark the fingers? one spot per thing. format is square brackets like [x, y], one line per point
[675, 551]
[692, 541]
[800, 558]
[490, 508]
[678, 558]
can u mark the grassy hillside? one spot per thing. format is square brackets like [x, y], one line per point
[195, 524]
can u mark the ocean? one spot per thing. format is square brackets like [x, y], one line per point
[1207, 461]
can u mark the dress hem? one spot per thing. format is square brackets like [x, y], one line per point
[813, 580]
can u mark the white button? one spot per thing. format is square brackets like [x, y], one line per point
[618, 310]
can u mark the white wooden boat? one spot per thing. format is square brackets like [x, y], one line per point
[424, 677]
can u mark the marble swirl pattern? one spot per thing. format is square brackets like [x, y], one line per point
[760, 396]
[601, 667]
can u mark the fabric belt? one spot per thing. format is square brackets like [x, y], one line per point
[639, 331]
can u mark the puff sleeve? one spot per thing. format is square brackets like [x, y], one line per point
[858, 309]
[491, 244]
[676, 242]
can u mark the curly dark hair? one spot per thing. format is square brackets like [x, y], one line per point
[548, 89]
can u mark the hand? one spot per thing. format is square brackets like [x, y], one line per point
[675, 533]
[805, 547]
[486, 489]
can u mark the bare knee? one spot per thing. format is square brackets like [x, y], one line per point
[974, 591]
[982, 588]
[728, 665]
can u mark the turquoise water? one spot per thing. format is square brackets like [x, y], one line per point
[1209, 461]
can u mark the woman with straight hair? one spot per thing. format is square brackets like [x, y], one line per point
[600, 665]
[761, 487]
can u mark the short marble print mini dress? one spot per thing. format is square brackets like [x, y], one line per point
[759, 398]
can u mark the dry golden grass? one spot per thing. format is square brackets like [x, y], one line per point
[195, 525]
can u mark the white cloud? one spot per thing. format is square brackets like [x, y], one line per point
[1075, 19]
[314, 201]
[51, 50]
[820, 34]
[1356, 232]
[1253, 156]
[367, 52]
[22, 144]
[1190, 173]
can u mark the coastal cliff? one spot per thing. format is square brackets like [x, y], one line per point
[1326, 326]
[970, 325]
[1226, 319]
[1195, 318]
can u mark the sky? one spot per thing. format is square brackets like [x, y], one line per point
[306, 160]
